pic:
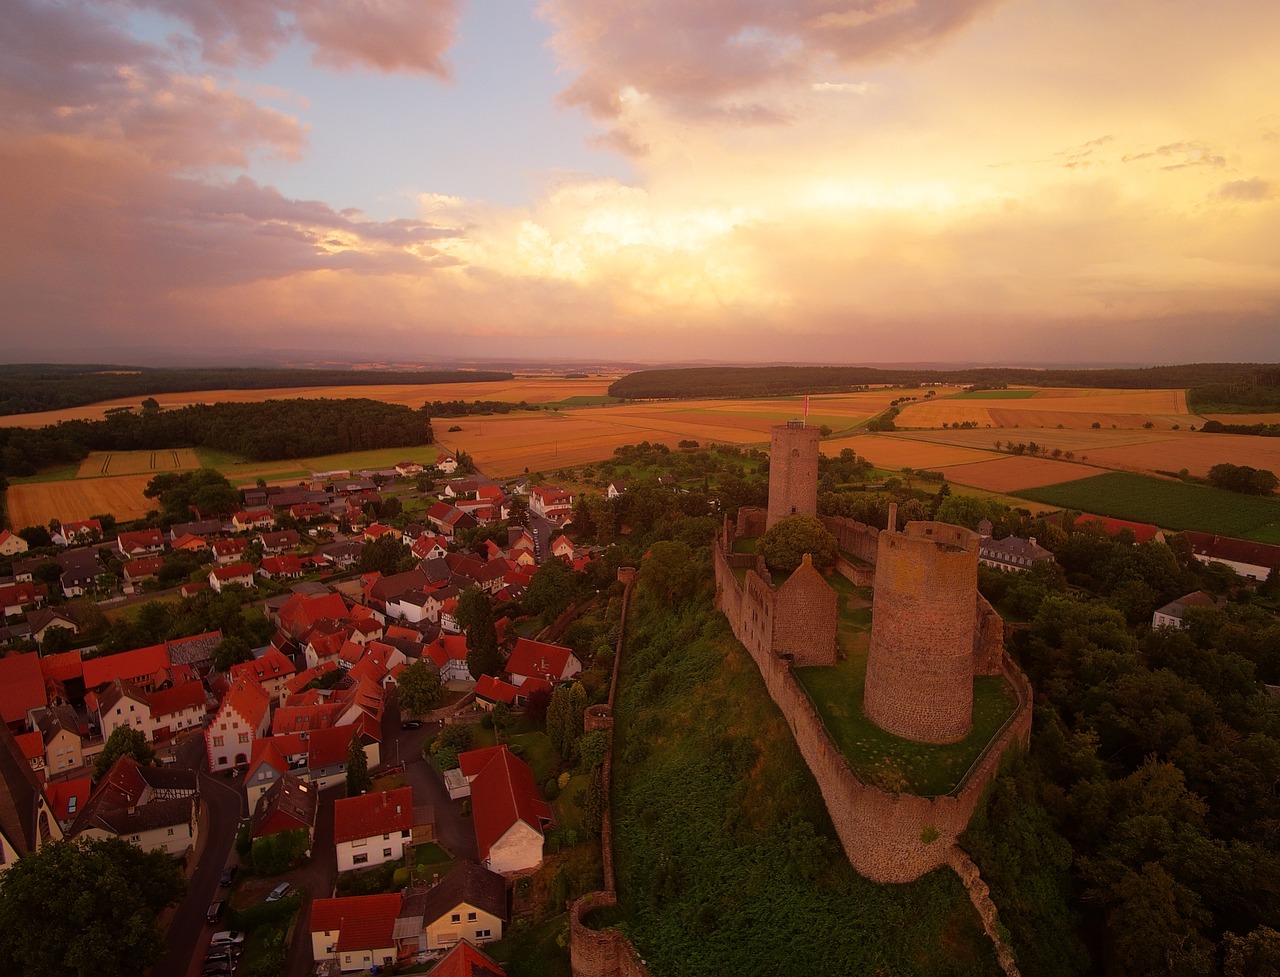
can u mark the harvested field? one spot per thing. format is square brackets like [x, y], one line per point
[894, 453]
[1195, 452]
[1072, 408]
[1068, 439]
[533, 390]
[100, 463]
[1012, 473]
[81, 498]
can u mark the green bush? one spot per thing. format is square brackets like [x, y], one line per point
[551, 789]
[263, 914]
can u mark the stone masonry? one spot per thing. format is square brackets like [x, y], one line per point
[793, 471]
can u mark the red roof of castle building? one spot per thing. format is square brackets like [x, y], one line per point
[373, 814]
[503, 793]
[464, 960]
[1143, 532]
[128, 665]
[537, 659]
[361, 922]
[495, 690]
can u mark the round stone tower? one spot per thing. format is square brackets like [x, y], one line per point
[793, 471]
[923, 619]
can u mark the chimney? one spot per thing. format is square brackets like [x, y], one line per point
[1033, 541]
[893, 517]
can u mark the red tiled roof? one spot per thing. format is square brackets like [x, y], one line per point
[233, 570]
[1143, 532]
[188, 695]
[446, 648]
[464, 960]
[362, 922]
[473, 761]
[373, 814]
[303, 679]
[502, 794]
[538, 659]
[21, 686]
[64, 666]
[31, 744]
[495, 690]
[61, 793]
[1236, 550]
[272, 664]
[128, 665]
[248, 699]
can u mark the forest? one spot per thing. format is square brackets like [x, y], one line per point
[265, 431]
[777, 381]
[29, 387]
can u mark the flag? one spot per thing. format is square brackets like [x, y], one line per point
[806, 408]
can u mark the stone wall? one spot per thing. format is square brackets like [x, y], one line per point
[853, 537]
[793, 471]
[887, 837]
[925, 621]
[806, 613]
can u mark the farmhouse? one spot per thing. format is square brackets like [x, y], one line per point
[356, 932]
[153, 807]
[467, 906]
[373, 828]
[146, 542]
[1170, 616]
[1253, 561]
[509, 815]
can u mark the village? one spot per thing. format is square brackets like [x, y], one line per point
[310, 751]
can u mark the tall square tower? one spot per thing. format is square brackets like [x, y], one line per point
[793, 471]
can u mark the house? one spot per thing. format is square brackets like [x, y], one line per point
[66, 797]
[1011, 553]
[407, 468]
[46, 619]
[139, 570]
[449, 519]
[490, 691]
[177, 708]
[147, 668]
[146, 542]
[290, 804]
[16, 598]
[319, 757]
[78, 533]
[235, 575]
[120, 704]
[1170, 616]
[551, 502]
[467, 906]
[508, 815]
[271, 670]
[449, 654]
[198, 528]
[188, 543]
[288, 566]
[1253, 561]
[243, 716]
[446, 463]
[464, 960]
[275, 543]
[429, 546]
[80, 571]
[61, 736]
[22, 687]
[248, 519]
[562, 547]
[11, 544]
[373, 828]
[537, 659]
[355, 932]
[615, 489]
[32, 747]
[26, 818]
[227, 551]
[155, 808]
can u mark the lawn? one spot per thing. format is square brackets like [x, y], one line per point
[1168, 504]
[568, 810]
[535, 750]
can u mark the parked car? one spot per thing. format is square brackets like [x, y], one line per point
[411, 724]
[225, 937]
[279, 892]
[215, 910]
[224, 954]
[228, 876]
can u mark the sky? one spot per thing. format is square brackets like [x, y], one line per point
[842, 181]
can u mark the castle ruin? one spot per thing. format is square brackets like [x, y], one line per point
[793, 471]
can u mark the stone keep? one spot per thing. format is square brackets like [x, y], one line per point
[920, 665]
[793, 471]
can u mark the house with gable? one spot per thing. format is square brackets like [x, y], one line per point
[373, 828]
[1253, 561]
[32, 747]
[551, 502]
[290, 804]
[22, 688]
[467, 907]
[275, 543]
[78, 532]
[319, 757]
[228, 551]
[11, 544]
[80, 572]
[27, 819]
[180, 707]
[148, 668]
[508, 815]
[243, 716]
[271, 670]
[449, 654]
[145, 542]
[62, 738]
[17, 598]
[155, 808]
[1171, 615]
[1011, 553]
[355, 933]
[537, 659]
[136, 572]
[232, 575]
[491, 691]
[248, 519]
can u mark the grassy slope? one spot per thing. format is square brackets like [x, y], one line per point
[727, 861]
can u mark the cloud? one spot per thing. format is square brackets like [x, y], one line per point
[716, 59]
[1184, 155]
[386, 35]
[1245, 190]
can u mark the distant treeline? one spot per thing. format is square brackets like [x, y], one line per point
[1261, 430]
[777, 381]
[266, 431]
[29, 387]
[461, 408]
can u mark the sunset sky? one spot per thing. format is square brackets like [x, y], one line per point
[846, 181]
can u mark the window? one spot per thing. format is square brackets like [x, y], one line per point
[386, 837]
[217, 741]
[244, 737]
[471, 917]
[170, 831]
[386, 853]
[360, 859]
[482, 934]
[456, 918]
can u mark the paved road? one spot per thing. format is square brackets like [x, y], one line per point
[455, 833]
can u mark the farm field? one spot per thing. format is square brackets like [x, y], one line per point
[1012, 473]
[1168, 504]
[36, 503]
[892, 453]
[100, 463]
[290, 470]
[534, 390]
[1072, 408]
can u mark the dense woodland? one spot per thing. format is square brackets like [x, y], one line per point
[28, 387]
[266, 431]
[777, 381]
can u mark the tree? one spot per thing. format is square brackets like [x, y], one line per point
[551, 590]
[475, 617]
[123, 741]
[420, 688]
[85, 908]
[560, 726]
[231, 650]
[358, 779]
[784, 546]
[385, 555]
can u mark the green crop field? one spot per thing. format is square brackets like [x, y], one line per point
[1168, 504]
[996, 394]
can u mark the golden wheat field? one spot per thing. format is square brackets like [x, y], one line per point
[533, 390]
[1014, 473]
[886, 451]
[78, 498]
[1049, 408]
[100, 463]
